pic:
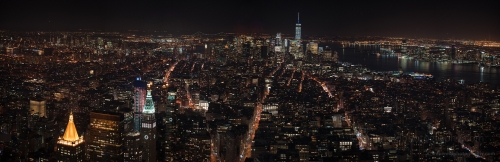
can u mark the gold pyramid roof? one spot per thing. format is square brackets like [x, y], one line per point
[70, 133]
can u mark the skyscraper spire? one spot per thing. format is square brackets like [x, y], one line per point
[298, 27]
[298, 17]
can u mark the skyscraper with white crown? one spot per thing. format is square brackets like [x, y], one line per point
[148, 129]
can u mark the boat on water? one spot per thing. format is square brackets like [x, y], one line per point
[464, 62]
[495, 65]
[421, 76]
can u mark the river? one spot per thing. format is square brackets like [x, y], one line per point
[470, 73]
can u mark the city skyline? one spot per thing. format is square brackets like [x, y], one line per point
[442, 20]
[285, 95]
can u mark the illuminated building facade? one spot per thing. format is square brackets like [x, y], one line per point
[403, 47]
[105, 134]
[312, 47]
[327, 53]
[132, 151]
[38, 108]
[149, 107]
[278, 39]
[148, 129]
[298, 28]
[169, 125]
[296, 49]
[139, 102]
[70, 147]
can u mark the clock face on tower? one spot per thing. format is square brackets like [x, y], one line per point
[146, 137]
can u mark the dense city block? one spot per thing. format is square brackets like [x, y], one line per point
[137, 96]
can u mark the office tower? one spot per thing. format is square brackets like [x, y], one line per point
[246, 50]
[278, 39]
[195, 94]
[278, 51]
[169, 126]
[453, 52]
[312, 47]
[286, 44]
[105, 135]
[70, 147]
[297, 28]
[403, 47]
[148, 130]
[132, 150]
[296, 49]
[426, 51]
[264, 50]
[100, 42]
[327, 54]
[335, 57]
[38, 107]
[139, 101]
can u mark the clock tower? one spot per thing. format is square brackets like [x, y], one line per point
[148, 129]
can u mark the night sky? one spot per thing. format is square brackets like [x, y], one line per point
[478, 20]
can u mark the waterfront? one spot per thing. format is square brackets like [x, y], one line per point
[471, 73]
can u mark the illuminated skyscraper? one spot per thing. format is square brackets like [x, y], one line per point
[278, 39]
[312, 47]
[453, 52]
[149, 107]
[105, 135]
[38, 108]
[139, 102]
[70, 146]
[169, 126]
[327, 54]
[297, 28]
[403, 47]
[148, 130]
[296, 49]
[132, 151]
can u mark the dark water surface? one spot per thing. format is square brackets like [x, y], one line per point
[471, 73]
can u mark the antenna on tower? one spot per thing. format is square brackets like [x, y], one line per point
[298, 17]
